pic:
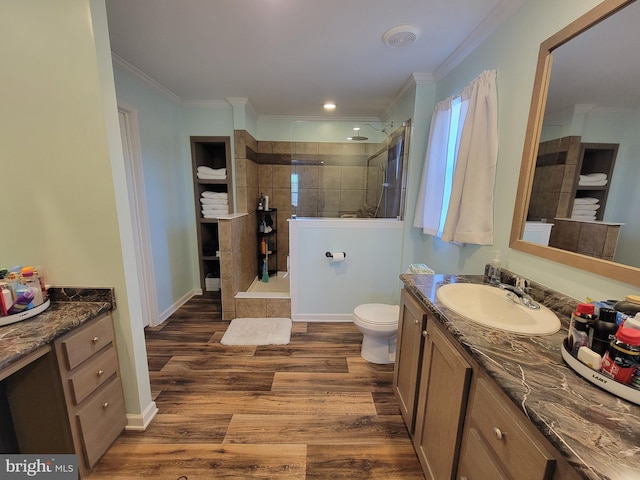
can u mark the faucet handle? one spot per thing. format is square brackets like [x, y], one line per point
[521, 283]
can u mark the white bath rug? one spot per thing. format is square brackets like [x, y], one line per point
[257, 331]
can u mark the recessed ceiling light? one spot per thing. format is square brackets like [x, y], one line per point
[401, 36]
[329, 106]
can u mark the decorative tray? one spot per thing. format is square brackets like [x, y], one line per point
[606, 383]
[32, 312]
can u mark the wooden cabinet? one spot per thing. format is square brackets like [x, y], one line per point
[464, 427]
[211, 153]
[411, 323]
[267, 242]
[443, 389]
[88, 367]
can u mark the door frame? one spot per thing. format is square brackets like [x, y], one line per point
[132, 151]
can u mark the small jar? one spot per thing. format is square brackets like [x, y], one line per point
[622, 357]
[579, 327]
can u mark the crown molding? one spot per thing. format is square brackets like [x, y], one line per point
[411, 82]
[219, 104]
[318, 118]
[124, 66]
[489, 25]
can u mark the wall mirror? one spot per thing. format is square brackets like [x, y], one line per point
[586, 96]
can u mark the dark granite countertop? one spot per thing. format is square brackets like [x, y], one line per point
[597, 432]
[70, 308]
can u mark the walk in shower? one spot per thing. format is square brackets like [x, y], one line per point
[328, 179]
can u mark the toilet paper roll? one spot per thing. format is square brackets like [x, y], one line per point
[337, 257]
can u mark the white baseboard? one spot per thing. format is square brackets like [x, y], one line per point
[140, 422]
[322, 317]
[176, 305]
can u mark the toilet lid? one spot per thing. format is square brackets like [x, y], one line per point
[377, 313]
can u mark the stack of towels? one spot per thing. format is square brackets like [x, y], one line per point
[585, 209]
[593, 180]
[214, 204]
[208, 173]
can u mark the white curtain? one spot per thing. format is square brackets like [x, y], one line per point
[430, 196]
[469, 218]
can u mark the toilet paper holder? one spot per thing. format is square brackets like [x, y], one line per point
[330, 255]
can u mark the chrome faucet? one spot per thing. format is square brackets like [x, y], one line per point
[519, 295]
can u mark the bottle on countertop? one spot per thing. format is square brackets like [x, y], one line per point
[29, 277]
[603, 330]
[495, 269]
[581, 320]
[6, 298]
[622, 358]
[632, 322]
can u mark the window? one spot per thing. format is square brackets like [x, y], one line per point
[455, 201]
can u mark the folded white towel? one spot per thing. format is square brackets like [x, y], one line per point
[586, 218]
[206, 176]
[212, 171]
[586, 201]
[214, 201]
[593, 176]
[592, 183]
[207, 194]
[585, 208]
[214, 215]
[215, 208]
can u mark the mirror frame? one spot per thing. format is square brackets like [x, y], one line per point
[609, 269]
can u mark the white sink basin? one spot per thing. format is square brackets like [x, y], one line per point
[490, 307]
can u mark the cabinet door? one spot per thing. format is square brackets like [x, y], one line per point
[443, 391]
[408, 355]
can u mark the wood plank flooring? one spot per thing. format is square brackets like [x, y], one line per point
[310, 410]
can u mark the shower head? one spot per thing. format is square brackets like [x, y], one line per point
[357, 137]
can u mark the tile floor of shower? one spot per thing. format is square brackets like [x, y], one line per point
[265, 299]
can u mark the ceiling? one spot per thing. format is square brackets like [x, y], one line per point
[600, 68]
[287, 57]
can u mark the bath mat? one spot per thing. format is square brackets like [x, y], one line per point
[257, 331]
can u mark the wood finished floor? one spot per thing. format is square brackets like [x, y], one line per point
[313, 409]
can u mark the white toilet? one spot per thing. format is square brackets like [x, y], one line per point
[378, 323]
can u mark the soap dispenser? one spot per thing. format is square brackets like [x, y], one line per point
[495, 270]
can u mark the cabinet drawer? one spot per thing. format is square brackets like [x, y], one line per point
[102, 420]
[520, 455]
[86, 341]
[96, 371]
[475, 461]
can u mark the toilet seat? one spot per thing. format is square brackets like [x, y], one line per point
[378, 315]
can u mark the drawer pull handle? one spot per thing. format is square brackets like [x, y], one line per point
[94, 340]
[415, 322]
[497, 433]
[105, 404]
[424, 333]
[100, 373]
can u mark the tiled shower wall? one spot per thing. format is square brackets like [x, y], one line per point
[334, 180]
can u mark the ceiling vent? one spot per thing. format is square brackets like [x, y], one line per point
[401, 36]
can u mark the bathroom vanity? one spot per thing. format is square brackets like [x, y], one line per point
[61, 384]
[481, 403]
